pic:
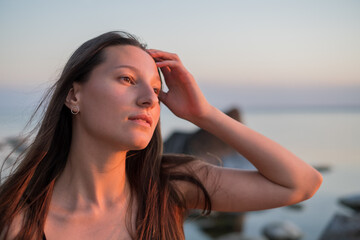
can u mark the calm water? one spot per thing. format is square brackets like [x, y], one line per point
[330, 137]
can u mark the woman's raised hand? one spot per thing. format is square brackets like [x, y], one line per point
[184, 97]
[279, 180]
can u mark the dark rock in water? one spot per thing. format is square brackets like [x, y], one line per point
[203, 144]
[322, 168]
[220, 224]
[176, 142]
[211, 149]
[282, 231]
[342, 227]
[17, 143]
[297, 207]
[199, 142]
[352, 202]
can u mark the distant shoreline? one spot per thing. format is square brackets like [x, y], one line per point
[303, 109]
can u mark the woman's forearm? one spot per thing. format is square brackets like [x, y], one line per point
[273, 161]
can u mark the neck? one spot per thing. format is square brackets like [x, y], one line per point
[94, 178]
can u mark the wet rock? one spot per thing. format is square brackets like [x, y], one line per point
[211, 149]
[282, 231]
[352, 202]
[219, 224]
[322, 168]
[176, 143]
[17, 143]
[203, 144]
[342, 227]
[296, 207]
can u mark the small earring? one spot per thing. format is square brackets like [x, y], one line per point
[75, 110]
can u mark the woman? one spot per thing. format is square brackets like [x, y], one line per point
[95, 169]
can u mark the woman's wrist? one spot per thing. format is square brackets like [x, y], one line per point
[205, 118]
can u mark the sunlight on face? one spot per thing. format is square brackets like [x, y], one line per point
[119, 102]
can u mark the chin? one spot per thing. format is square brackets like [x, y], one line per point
[134, 141]
[138, 148]
[139, 145]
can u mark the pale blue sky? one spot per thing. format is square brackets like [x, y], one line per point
[256, 43]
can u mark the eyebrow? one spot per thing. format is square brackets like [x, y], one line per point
[127, 66]
[136, 69]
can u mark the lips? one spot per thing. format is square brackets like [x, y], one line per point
[142, 119]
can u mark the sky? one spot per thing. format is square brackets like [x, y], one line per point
[307, 44]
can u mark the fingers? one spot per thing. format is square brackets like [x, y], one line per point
[162, 96]
[166, 71]
[167, 67]
[170, 65]
[161, 55]
[165, 59]
[167, 63]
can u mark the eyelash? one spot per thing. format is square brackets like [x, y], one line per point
[132, 82]
[156, 91]
[127, 79]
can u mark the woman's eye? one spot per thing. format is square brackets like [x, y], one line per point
[156, 91]
[127, 79]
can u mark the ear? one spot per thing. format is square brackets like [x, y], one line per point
[73, 97]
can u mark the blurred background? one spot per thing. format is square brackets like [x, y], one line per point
[292, 69]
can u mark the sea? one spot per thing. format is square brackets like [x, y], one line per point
[322, 136]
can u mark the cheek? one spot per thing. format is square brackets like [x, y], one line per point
[96, 103]
[103, 108]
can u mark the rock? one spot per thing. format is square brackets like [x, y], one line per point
[342, 227]
[176, 142]
[282, 231]
[220, 224]
[352, 202]
[211, 149]
[201, 143]
[322, 168]
[296, 207]
[17, 143]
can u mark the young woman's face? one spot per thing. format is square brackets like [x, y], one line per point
[119, 103]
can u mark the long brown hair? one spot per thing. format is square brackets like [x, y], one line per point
[152, 176]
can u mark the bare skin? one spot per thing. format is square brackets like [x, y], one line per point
[282, 178]
[91, 196]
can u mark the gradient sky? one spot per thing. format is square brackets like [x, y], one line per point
[257, 43]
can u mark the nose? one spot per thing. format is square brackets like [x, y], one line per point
[147, 98]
